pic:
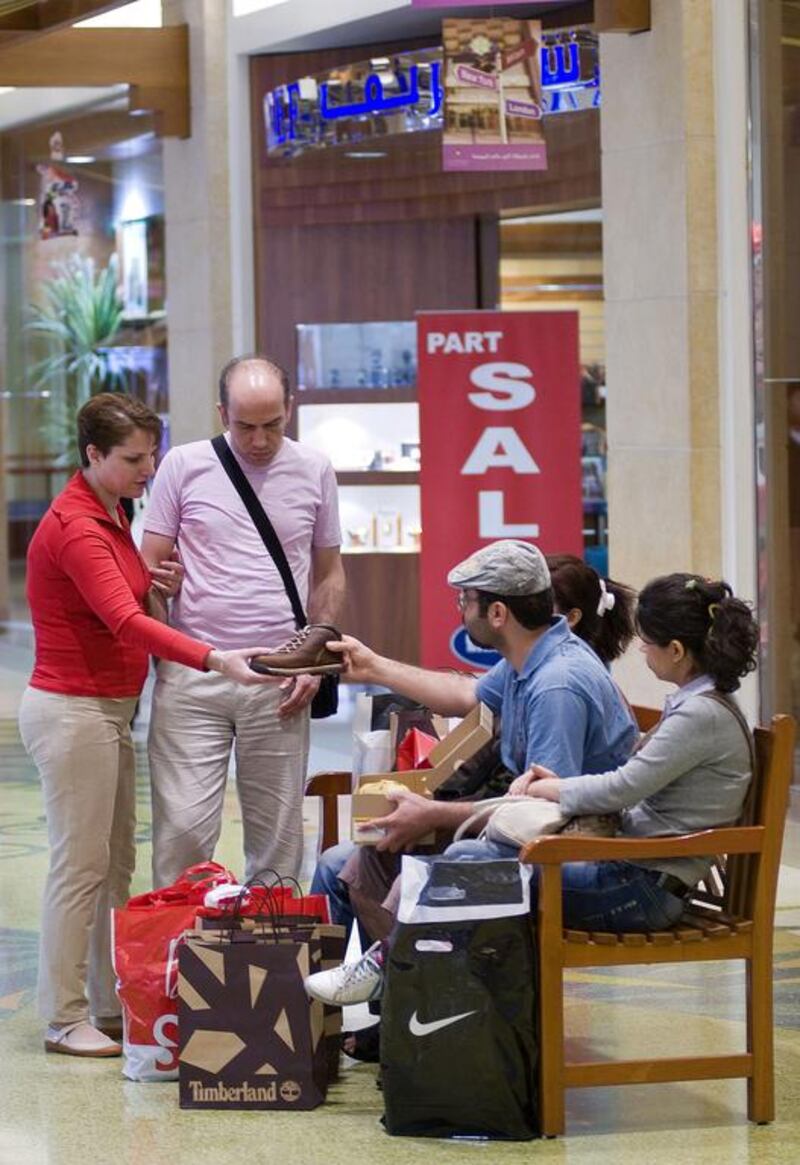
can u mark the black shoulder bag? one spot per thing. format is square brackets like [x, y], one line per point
[326, 701]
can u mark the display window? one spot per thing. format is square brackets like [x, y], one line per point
[84, 294]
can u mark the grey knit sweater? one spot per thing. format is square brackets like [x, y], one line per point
[691, 774]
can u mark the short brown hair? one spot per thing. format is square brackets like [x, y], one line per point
[252, 358]
[109, 418]
[530, 611]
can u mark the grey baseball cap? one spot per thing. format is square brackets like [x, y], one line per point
[509, 567]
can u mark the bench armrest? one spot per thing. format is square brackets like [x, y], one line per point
[556, 849]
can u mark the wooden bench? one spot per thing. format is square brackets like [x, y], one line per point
[735, 921]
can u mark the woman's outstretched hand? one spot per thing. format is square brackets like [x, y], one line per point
[235, 665]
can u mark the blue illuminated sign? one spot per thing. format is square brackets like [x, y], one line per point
[561, 64]
[375, 99]
[406, 94]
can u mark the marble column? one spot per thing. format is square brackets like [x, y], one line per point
[197, 202]
[660, 275]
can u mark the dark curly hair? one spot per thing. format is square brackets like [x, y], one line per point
[576, 585]
[718, 629]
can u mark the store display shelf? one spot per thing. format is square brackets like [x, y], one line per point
[377, 476]
[342, 396]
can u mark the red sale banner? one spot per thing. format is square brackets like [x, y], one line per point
[499, 401]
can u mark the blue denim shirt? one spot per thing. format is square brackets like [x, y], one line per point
[562, 710]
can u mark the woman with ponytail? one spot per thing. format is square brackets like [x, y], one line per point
[597, 609]
[690, 773]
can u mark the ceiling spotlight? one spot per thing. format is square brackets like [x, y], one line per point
[79, 159]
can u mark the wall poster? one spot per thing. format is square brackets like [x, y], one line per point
[59, 204]
[493, 95]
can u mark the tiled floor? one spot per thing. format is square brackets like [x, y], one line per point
[57, 1111]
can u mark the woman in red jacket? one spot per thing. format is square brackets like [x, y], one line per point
[87, 588]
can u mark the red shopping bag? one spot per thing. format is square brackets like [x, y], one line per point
[269, 903]
[145, 936]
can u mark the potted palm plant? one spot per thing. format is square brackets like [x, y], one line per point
[78, 320]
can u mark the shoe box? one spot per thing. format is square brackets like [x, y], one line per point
[459, 745]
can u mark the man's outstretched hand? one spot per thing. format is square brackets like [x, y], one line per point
[360, 661]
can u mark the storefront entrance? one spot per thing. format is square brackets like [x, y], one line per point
[775, 56]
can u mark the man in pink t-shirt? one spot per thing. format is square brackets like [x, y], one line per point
[233, 589]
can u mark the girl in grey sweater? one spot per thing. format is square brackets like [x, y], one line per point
[691, 772]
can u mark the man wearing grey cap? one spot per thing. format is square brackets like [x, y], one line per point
[554, 697]
[510, 568]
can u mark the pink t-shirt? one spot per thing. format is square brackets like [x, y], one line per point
[232, 595]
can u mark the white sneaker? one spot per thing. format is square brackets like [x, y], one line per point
[349, 982]
[79, 1039]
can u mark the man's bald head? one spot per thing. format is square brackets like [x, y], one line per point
[255, 406]
[254, 358]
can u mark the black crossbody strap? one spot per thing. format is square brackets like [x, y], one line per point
[261, 523]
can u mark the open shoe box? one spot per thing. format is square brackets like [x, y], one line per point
[459, 745]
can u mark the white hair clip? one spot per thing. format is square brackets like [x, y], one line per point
[607, 600]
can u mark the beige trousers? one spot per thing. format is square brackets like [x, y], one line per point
[196, 719]
[82, 748]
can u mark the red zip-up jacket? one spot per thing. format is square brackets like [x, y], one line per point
[86, 586]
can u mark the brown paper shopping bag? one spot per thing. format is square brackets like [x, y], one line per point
[249, 1036]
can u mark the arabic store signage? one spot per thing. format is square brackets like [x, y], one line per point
[405, 94]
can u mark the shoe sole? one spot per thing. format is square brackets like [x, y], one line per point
[345, 1003]
[322, 669]
[63, 1050]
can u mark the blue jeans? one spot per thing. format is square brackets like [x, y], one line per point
[326, 881]
[605, 896]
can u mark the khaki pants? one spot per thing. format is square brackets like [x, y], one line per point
[82, 748]
[196, 719]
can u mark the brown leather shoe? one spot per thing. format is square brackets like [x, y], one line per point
[306, 654]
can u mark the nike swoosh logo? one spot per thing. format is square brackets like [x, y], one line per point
[418, 1028]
